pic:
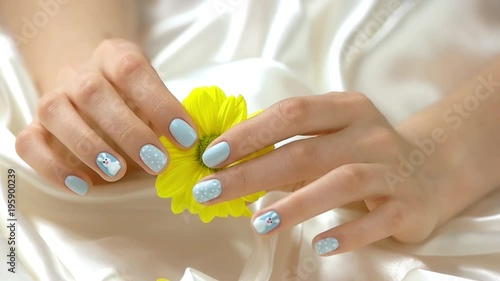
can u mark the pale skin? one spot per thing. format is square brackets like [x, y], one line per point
[98, 94]
[353, 154]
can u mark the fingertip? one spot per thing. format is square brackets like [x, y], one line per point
[216, 154]
[266, 222]
[154, 159]
[32, 146]
[206, 191]
[110, 166]
[325, 246]
[184, 134]
[77, 184]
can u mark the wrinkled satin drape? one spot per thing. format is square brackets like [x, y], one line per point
[404, 55]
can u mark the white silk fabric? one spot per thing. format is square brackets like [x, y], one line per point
[404, 55]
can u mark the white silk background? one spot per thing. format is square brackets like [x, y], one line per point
[404, 55]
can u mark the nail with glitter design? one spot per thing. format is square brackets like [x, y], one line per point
[108, 164]
[153, 157]
[326, 245]
[266, 222]
[207, 190]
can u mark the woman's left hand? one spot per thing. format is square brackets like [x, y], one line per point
[353, 154]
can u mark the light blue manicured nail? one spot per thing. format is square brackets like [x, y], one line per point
[182, 132]
[76, 184]
[207, 190]
[326, 245]
[108, 164]
[216, 154]
[266, 222]
[153, 157]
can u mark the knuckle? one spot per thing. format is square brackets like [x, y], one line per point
[241, 175]
[391, 146]
[394, 217]
[359, 98]
[297, 152]
[360, 103]
[301, 151]
[88, 86]
[383, 139]
[160, 107]
[47, 106]
[108, 45]
[111, 45]
[82, 144]
[294, 109]
[24, 142]
[130, 131]
[65, 73]
[353, 177]
[127, 63]
[385, 174]
[54, 170]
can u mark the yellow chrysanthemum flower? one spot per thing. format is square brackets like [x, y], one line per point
[213, 113]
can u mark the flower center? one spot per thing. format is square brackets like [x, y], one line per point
[202, 146]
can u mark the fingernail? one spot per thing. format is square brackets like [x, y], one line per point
[216, 154]
[153, 157]
[266, 222]
[207, 190]
[76, 184]
[108, 164]
[182, 132]
[326, 245]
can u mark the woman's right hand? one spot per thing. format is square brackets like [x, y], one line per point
[102, 117]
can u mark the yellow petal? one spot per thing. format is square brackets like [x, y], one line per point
[232, 112]
[247, 213]
[213, 114]
[179, 173]
[177, 205]
[177, 178]
[253, 155]
[236, 207]
[203, 105]
[207, 214]
[254, 114]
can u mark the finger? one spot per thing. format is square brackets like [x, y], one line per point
[60, 118]
[298, 160]
[346, 184]
[128, 69]
[287, 118]
[97, 99]
[32, 147]
[380, 223]
[294, 186]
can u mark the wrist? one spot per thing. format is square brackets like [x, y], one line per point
[459, 144]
